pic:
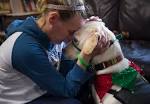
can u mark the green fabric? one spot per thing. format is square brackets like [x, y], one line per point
[82, 61]
[119, 36]
[125, 78]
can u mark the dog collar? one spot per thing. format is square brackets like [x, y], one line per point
[108, 63]
[73, 43]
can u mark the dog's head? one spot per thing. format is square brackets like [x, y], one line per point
[82, 34]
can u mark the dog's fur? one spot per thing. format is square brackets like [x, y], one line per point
[113, 51]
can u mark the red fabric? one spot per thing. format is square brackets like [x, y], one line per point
[102, 84]
[136, 67]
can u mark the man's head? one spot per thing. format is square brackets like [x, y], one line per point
[61, 18]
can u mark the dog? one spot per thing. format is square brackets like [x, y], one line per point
[114, 72]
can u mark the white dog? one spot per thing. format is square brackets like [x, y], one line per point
[114, 71]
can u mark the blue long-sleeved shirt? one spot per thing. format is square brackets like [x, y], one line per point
[29, 57]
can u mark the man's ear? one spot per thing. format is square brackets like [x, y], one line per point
[53, 16]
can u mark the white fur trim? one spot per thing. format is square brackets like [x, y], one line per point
[123, 64]
[116, 88]
[110, 99]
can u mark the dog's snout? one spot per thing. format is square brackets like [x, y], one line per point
[111, 42]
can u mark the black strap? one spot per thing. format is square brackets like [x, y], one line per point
[117, 95]
[73, 43]
[99, 67]
[113, 92]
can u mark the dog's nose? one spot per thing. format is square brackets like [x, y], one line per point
[111, 42]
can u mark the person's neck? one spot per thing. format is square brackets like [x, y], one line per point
[41, 22]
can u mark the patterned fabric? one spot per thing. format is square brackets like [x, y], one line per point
[125, 78]
[137, 68]
[55, 54]
[102, 84]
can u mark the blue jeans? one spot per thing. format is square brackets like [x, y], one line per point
[54, 100]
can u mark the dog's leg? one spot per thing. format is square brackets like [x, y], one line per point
[110, 99]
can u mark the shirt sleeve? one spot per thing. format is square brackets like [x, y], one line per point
[33, 61]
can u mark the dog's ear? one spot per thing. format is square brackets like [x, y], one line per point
[90, 43]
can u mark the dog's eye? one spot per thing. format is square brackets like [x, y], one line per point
[75, 40]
